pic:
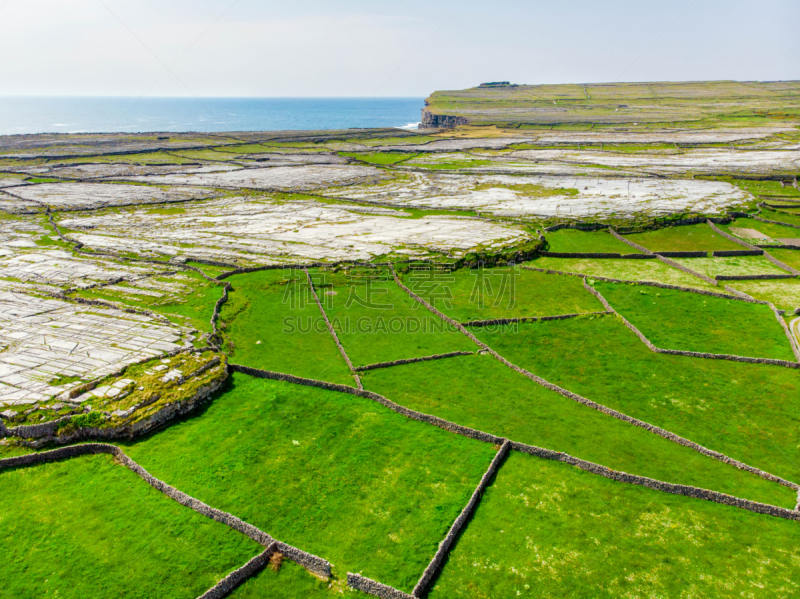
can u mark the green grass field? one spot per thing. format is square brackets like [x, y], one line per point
[377, 321]
[750, 412]
[575, 241]
[272, 322]
[549, 530]
[769, 229]
[625, 270]
[482, 393]
[719, 326]
[783, 293]
[788, 257]
[381, 158]
[339, 476]
[731, 265]
[685, 238]
[482, 294]
[781, 215]
[293, 582]
[87, 527]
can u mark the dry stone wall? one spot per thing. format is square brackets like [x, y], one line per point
[662, 256]
[727, 253]
[682, 254]
[372, 587]
[225, 586]
[503, 321]
[664, 487]
[412, 360]
[317, 565]
[601, 255]
[444, 547]
[331, 330]
[764, 277]
[605, 409]
[772, 259]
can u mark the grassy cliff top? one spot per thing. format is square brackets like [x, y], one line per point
[703, 103]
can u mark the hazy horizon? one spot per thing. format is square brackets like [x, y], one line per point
[354, 48]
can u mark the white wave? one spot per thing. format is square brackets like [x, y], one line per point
[410, 126]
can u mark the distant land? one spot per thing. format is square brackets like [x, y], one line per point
[659, 104]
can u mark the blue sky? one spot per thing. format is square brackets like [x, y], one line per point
[382, 48]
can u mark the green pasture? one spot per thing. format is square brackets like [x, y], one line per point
[731, 265]
[549, 530]
[377, 321]
[272, 322]
[673, 319]
[622, 269]
[333, 474]
[750, 412]
[86, 527]
[784, 294]
[684, 238]
[586, 242]
[482, 393]
[504, 292]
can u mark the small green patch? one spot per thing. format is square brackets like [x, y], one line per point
[684, 238]
[686, 321]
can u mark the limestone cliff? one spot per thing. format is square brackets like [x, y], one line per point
[440, 121]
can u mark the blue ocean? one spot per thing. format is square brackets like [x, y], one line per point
[131, 115]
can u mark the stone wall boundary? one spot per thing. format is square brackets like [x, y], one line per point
[444, 547]
[541, 452]
[728, 253]
[775, 222]
[578, 226]
[299, 266]
[605, 409]
[318, 565]
[597, 255]
[682, 254]
[734, 294]
[627, 241]
[372, 587]
[749, 246]
[662, 256]
[412, 360]
[764, 277]
[732, 358]
[332, 331]
[502, 321]
[792, 341]
[664, 487]
[225, 586]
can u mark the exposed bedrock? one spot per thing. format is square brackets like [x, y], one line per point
[440, 121]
